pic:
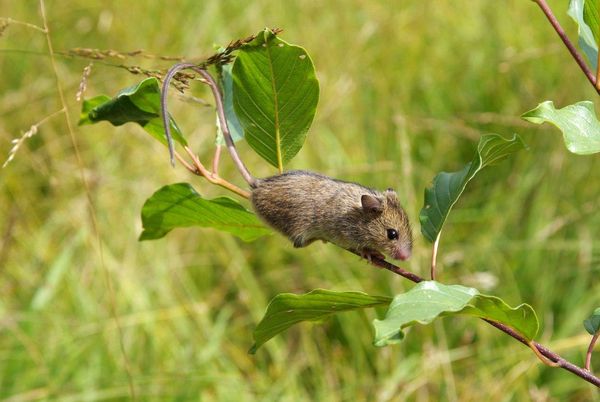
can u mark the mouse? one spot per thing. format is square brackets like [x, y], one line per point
[306, 206]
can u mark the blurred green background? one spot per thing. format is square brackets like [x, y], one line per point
[88, 313]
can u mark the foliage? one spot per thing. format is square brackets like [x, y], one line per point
[578, 122]
[429, 300]
[389, 115]
[275, 95]
[447, 187]
[287, 309]
[179, 205]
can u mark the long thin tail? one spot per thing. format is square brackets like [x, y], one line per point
[251, 180]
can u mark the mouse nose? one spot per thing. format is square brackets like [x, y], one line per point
[402, 254]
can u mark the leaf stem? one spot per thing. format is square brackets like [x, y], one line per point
[540, 356]
[552, 357]
[213, 177]
[588, 355]
[216, 160]
[563, 36]
[434, 255]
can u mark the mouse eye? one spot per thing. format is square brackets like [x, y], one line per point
[392, 234]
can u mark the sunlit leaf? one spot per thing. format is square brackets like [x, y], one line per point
[139, 104]
[287, 309]
[447, 187]
[179, 205]
[429, 300]
[578, 123]
[275, 95]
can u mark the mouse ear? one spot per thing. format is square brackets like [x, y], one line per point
[392, 197]
[371, 203]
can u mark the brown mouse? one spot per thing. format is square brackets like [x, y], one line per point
[307, 206]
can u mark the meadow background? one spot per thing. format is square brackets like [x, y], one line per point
[88, 313]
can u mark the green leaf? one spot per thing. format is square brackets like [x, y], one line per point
[578, 123]
[592, 323]
[429, 300]
[587, 41]
[590, 16]
[275, 95]
[88, 105]
[287, 309]
[447, 187]
[139, 104]
[235, 128]
[179, 205]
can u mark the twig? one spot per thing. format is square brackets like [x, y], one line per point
[588, 355]
[563, 36]
[553, 358]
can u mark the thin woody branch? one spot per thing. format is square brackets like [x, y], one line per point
[553, 358]
[563, 36]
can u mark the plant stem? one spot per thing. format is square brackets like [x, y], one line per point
[563, 36]
[588, 355]
[213, 177]
[547, 353]
[434, 255]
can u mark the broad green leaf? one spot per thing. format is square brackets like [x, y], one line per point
[592, 323]
[235, 128]
[429, 300]
[179, 205]
[275, 95]
[139, 103]
[587, 42]
[287, 309]
[447, 187]
[578, 123]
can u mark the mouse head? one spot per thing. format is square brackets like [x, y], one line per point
[388, 230]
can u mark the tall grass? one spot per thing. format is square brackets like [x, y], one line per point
[406, 89]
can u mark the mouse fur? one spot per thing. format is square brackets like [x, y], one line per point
[307, 206]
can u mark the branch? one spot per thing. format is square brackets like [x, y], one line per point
[554, 359]
[563, 36]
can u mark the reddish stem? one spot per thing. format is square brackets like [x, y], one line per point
[563, 36]
[588, 356]
[547, 353]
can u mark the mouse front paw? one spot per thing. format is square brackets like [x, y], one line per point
[369, 254]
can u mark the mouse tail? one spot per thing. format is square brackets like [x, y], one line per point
[209, 80]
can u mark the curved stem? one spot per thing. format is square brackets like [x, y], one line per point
[214, 178]
[563, 36]
[540, 356]
[588, 355]
[553, 358]
[209, 80]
